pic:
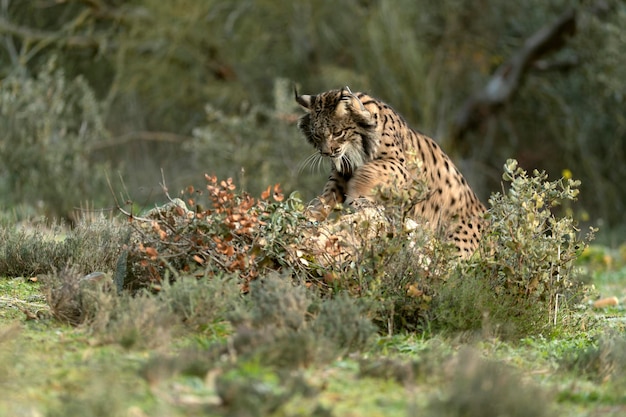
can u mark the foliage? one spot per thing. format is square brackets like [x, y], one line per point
[133, 322]
[48, 124]
[236, 232]
[290, 327]
[398, 273]
[523, 278]
[201, 303]
[197, 345]
[521, 281]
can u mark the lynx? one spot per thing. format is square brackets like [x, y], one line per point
[371, 146]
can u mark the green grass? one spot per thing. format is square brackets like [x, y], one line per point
[48, 368]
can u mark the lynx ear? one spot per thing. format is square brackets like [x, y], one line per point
[304, 101]
[350, 102]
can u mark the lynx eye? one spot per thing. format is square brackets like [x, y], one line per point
[338, 135]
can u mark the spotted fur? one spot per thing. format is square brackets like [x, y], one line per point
[371, 146]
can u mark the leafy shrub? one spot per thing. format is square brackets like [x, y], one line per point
[523, 277]
[48, 124]
[520, 281]
[234, 233]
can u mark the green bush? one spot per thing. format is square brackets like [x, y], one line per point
[48, 124]
[201, 303]
[523, 278]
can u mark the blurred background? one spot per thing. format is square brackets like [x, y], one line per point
[141, 91]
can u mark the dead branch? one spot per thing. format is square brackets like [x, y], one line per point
[509, 76]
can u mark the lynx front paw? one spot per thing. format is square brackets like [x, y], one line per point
[318, 210]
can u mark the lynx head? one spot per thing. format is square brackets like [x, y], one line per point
[339, 127]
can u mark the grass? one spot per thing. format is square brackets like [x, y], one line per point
[49, 368]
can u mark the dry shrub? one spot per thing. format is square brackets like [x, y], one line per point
[71, 298]
[30, 252]
[226, 232]
[133, 321]
[89, 246]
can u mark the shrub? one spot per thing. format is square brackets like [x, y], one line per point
[88, 247]
[199, 303]
[520, 281]
[226, 232]
[479, 387]
[47, 125]
[523, 278]
[139, 321]
[75, 300]
[290, 326]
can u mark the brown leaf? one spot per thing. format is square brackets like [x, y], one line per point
[266, 194]
[152, 253]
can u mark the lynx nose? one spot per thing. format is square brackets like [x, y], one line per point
[327, 150]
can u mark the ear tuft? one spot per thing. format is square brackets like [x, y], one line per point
[304, 101]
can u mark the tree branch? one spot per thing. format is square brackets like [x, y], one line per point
[508, 78]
